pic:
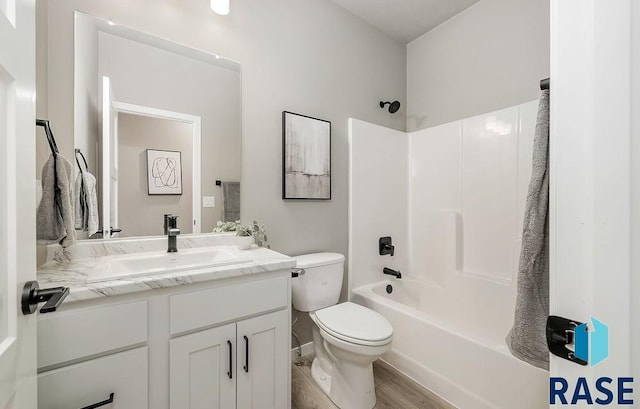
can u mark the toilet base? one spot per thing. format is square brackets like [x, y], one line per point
[322, 378]
[344, 370]
[355, 395]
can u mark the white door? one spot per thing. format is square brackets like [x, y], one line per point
[591, 176]
[263, 362]
[109, 160]
[202, 369]
[17, 202]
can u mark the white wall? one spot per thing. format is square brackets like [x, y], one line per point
[305, 56]
[491, 56]
[378, 200]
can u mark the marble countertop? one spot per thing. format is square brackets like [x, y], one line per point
[72, 267]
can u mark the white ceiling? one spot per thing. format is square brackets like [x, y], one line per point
[405, 20]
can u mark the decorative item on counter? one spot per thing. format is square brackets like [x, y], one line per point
[256, 233]
[260, 234]
[244, 237]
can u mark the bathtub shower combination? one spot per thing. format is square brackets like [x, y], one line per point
[452, 198]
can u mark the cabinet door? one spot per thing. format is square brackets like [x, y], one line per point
[202, 369]
[124, 374]
[264, 362]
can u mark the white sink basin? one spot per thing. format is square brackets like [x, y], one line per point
[145, 264]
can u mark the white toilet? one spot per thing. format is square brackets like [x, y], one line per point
[347, 337]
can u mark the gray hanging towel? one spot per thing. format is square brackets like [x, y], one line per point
[231, 201]
[86, 203]
[527, 339]
[55, 214]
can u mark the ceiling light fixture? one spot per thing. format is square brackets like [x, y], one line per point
[220, 7]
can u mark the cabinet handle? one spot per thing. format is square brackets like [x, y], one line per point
[230, 372]
[246, 354]
[100, 404]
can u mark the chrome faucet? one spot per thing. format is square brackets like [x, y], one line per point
[172, 233]
[396, 274]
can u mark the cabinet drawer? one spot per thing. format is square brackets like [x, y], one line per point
[69, 335]
[204, 308]
[77, 386]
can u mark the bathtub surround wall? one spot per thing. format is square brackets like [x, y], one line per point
[469, 183]
[490, 56]
[378, 204]
[460, 205]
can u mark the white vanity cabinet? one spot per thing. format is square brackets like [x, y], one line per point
[241, 365]
[219, 344]
[202, 369]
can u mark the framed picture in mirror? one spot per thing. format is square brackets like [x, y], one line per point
[164, 172]
[306, 156]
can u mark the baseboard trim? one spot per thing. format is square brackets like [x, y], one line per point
[306, 350]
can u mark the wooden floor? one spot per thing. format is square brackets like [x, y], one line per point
[393, 390]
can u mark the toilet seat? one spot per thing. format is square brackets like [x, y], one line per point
[354, 324]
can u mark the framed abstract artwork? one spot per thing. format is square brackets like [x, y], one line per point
[306, 157]
[164, 172]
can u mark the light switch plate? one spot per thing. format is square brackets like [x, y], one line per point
[208, 201]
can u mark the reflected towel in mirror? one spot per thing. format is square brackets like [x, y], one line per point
[86, 203]
[231, 201]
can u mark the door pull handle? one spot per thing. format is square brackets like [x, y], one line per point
[32, 295]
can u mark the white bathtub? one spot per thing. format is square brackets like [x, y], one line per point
[462, 357]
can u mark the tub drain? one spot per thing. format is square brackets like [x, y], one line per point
[389, 289]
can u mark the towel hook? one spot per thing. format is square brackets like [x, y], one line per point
[86, 166]
[47, 130]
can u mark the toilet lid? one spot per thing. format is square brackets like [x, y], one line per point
[354, 322]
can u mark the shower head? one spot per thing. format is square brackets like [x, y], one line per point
[393, 106]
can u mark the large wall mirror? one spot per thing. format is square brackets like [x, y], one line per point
[160, 126]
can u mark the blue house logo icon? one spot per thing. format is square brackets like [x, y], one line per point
[592, 345]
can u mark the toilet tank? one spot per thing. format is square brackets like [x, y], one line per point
[320, 285]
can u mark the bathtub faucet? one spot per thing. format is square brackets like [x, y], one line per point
[396, 274]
